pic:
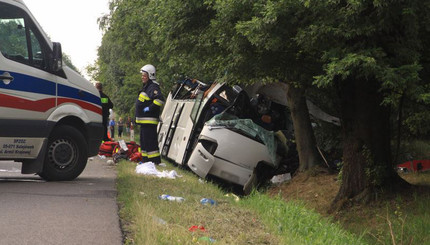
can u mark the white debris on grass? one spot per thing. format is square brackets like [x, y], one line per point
[148, 168]
[159, 220]
[202, 181]
[277, 179]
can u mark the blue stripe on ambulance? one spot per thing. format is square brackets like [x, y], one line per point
[31, 84]
[69, 92]
[40, 86]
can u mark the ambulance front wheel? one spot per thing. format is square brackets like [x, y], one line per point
[66, 154]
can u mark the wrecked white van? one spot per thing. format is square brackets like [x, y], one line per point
[219, 130]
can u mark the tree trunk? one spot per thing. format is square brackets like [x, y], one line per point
[367, 162]
[303, 132]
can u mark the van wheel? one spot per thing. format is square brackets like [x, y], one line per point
[66, 154]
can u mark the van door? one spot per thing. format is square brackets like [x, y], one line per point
[27, 87]
[182, 132]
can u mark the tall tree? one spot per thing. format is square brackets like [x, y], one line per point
[125, 48]
[268, 29]
[372, 52]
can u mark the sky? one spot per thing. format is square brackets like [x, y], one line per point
[73, 23]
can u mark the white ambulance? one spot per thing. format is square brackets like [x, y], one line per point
[50, 116]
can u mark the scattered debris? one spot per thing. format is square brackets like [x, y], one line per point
[202, 181]
[277, 179]
[148, 168]
[159, 220]
[197, 228]
[171, 198]
[208, 201]
[208, 239]
[236, 198]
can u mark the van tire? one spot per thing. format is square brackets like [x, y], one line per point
[66, 154]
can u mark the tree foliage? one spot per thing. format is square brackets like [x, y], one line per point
[12, 37]
[372, 51]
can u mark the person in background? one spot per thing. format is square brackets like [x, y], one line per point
[148, 107]
[120, 127]
[127, 126]
[112, 128]
[131, 131]
[106, 105]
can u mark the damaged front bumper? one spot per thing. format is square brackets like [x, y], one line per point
[228, 155]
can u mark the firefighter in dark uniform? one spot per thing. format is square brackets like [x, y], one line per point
[106, 105]
[148, 107]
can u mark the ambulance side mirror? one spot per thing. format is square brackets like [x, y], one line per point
[57, 59]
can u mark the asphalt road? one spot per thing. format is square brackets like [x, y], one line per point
[83, 211]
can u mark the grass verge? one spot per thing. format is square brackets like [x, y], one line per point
[256, 219]
[400, 219]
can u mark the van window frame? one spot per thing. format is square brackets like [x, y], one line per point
[32, 33]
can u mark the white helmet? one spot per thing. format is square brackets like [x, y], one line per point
[150, 69]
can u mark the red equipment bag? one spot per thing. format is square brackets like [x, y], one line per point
[107, 148]
[132, 153]
[132, 147]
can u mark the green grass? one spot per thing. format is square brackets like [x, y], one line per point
[399, 222]
[404, 219]
[256, 219]
[297, 224]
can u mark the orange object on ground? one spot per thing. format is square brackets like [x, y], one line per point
[108, 135]
[107, 148]
[197, 228]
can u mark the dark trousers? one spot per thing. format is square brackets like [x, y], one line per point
[120, 129]
[105, 129]
[149, 143]
[112, 131]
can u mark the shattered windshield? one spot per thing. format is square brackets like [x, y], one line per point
[246, 127]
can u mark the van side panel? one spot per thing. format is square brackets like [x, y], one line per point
[182, 132]
[25, 128]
